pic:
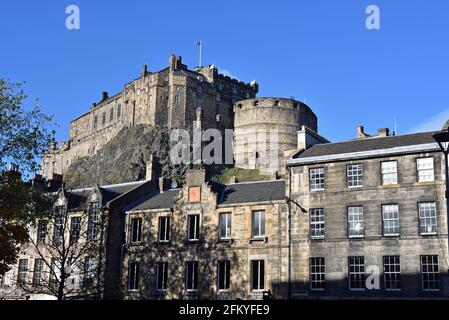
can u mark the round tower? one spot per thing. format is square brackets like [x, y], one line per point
[267, 127]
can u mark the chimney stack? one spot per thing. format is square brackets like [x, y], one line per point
[104, 95]
[161, 184]
[361, 133]
[383, 132]
[144, 71]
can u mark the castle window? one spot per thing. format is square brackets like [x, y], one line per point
[95, 122]
[150, 98]
[256, 103]
[276, 103]
[111, 115]
[103, 118]
[176, 98]
[119, 111]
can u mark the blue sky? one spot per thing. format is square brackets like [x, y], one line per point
[318, 51]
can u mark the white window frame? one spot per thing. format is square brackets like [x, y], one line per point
[393, 264]
[317, 273]
[166, 232]
[422, 217]
[164, 272]
[357, 273]
[317, 223]
[139, 230]
[228, 225]
[317, 179]
[195, 274]
[256, 217]
[197, 228]
[351, 213]
[432, 264]
[260, 286]
[423, 169]
[390, 213]
[136, 276]
[354, 175]
[389, 173]
[226, 281]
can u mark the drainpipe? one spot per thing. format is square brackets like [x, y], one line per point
[289, 234]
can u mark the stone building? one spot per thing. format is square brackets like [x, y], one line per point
[207, 241]
[265, 128]
[77, 233]
[366, 207]
[173, 97]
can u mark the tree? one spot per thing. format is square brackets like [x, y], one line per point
[69, 246]
[24, 136]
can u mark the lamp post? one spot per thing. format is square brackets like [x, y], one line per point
[442, 138]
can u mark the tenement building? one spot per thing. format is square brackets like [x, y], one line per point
[369, 218]
[207, 240]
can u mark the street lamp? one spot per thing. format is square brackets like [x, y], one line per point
[442, 138]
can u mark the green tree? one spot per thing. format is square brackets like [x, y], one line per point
[24, 136]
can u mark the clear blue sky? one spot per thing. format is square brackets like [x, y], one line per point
[316, 50]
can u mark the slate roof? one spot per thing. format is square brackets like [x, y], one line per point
[248, 192]
[367, 144]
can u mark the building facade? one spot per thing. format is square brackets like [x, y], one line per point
[207, 241]
[369, 209]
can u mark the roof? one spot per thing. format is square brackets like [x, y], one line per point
[77, 198]
[369, 146]
[247, 192]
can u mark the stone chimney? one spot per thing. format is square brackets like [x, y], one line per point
[361, 133]
[175, 62]
[195, 177]
[144, 71]
[104, 95]
[149, 174]
[161, 184]
[383, 132]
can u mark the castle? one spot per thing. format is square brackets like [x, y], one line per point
[175, 97]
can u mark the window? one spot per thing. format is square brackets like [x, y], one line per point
[257, 274]
[119, 111]
[316, 179]
[392, 273]
[111, 115]
[224, 274]
[133, 276]
[354, 174]
[75, 228]
[193, 225]
[258, 224]
[93, 220]
[22, 272]
[41, 230]
[356, 273]
[317, 274]
[103, 118]
[192, 275]
[194, 194]
[390, 220]
[427, 218]
[225, 225]
[55, 270]
[95, 122]
[176, 98]
[163, 234]
[89, 269]
[150, 98]
[37, 272]
[135, 229]
[317, 223]
[59, 223]
[161, 276]
[430, 273]
[425, 169]
[5, 279]
[389, 172]
[355, 222]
